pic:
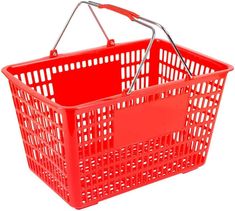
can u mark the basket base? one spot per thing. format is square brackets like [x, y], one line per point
[193, 168]
[189, 170]
[85, 205]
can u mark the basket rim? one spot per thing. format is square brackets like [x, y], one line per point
[161, 87]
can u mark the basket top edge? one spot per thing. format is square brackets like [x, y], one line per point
[91, 51]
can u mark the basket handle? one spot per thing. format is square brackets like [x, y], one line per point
[131, 15]
[135, 18]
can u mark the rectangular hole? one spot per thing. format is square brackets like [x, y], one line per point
[168, 72]
[178, 62]
[54, 70]
[192, 67]
[209, 86]
[22, 78]
[58, 132]
[160, 54]
[133, 59]
[160, 81]
[142, 70]
[214, 89]
[122, 58]
[198, 87]
[128, 72]
[48, 72]
[203, 91]
[216, 82]
[60, 68]
[148, 55]
[29, 77]
[165, 56]
[89, 63]
[45, 93]
[172, 74]
[138, 55]
[221, 83]
[128, 84]
[72, 66]
[147, 67]
[123, 104]
[164, 70]
[66, 67]
[207, 70]
[200, 102]
[147, 81]
[127, 57]
[117, 57]
[182, 64]
[84, 64]
[42, 75]
[173, 59]
[205, 103]
[137, 101]
[78, 65]
[51, 90]
[133, 70]
[123, 86]
[61, 118]
[160, 69]
[38, 89]
[137, 84]
[106, 59]
[202, 69]
[197, 69]
[202, 117]
[95, 61]
[214, 111]
[142, 83]
[123, 72]
[188, 62]
[169, 58]
[111, 58]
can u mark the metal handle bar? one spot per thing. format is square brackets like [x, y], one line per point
[189, 74]
[133, 17]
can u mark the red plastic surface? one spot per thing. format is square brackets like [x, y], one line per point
[129, 14]
[89, 141]
[156, 117]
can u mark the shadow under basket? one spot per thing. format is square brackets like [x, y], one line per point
[89, 140]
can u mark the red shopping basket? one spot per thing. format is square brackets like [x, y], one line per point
[100, 122]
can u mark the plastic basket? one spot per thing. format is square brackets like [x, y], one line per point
[96, 124]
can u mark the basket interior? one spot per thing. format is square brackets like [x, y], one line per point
[81, 77]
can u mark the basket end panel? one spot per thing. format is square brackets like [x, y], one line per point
[204, 102]
[41, 127]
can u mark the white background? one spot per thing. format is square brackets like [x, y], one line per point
[28, 30]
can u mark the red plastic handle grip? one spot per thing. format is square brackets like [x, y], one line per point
[127, 13]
